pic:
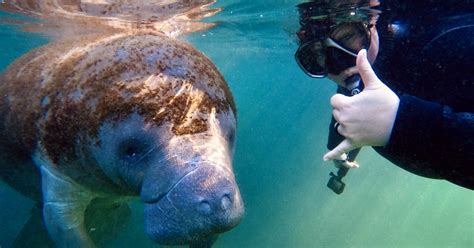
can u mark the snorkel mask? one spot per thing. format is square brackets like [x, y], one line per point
[331, 35]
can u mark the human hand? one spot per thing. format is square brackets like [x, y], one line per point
[365, 119]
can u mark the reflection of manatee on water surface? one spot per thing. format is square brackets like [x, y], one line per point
[91, 122]
[73, 17]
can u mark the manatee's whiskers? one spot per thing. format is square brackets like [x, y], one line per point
[179, 181]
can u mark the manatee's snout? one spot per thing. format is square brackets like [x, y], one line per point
[205, 202]
[216, 197]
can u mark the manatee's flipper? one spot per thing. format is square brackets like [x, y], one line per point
[34, 233]
[104, 219]
[64, 205]
[205, 243]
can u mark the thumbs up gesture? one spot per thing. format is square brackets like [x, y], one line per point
[365, 119]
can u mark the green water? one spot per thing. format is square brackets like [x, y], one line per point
[13, 42]
[15, 209]
[283, 117]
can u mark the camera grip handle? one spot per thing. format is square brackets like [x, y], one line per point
[354, 86]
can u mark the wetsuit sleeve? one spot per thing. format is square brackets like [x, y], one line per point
[432, 140]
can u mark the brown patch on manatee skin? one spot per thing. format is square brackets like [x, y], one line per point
[64, 92]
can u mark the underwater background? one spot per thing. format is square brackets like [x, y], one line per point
[283, 119]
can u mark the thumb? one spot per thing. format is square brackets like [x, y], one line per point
[366, 72]
[339, 100]
[338, 152]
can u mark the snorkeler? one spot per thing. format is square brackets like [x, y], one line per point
[417, 110]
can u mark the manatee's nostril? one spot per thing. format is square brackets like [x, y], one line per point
[226, 203]
[204, 208]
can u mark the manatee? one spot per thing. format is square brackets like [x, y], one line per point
[90, 123]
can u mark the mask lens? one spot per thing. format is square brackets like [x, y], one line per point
[311, 59]
[338, 60]
[317, 59]
[353, 36]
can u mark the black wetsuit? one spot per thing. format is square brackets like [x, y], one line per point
[427, 57]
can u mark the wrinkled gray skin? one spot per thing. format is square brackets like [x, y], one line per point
[185, 180]
[186, 183]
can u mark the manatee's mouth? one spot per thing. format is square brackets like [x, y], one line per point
[202, 203]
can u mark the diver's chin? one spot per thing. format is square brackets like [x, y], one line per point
[338, 79]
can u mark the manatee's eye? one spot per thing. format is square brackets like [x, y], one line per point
[133, 150]
[231, 137]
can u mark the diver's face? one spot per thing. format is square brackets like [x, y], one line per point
[354, 44]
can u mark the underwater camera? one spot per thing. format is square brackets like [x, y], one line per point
[335, 183]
